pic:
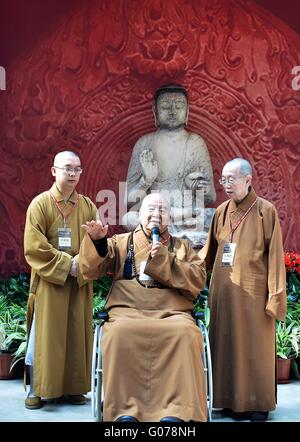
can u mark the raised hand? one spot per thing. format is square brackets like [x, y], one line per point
[149, 166]
[95, 229]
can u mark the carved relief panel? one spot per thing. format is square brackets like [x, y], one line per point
[88, 87]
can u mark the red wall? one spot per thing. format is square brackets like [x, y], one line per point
[81, 76]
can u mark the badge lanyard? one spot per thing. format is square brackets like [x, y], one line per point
[64, 216]
[230, 248]
[240, 220]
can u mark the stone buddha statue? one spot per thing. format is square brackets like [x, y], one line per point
[175, 162]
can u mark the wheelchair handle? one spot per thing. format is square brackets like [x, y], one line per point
[198, 315]
[103, 316]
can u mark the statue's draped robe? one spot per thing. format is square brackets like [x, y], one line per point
[178, 153]
[190, 154]
[245, 300]
[152, 364]
[62, 304]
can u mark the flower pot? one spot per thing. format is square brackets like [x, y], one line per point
[5, 364]
[283, 370]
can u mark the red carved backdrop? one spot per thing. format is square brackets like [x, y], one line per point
[87, 85]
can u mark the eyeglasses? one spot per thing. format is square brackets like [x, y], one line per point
[229, 180]
[68, 170]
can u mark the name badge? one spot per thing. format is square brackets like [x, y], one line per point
[228, 254]
[147, 280]
[64, 238]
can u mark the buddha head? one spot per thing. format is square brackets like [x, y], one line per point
[170, 107]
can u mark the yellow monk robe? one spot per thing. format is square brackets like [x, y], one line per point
[245, 299]
[152, 348]
[62, 304]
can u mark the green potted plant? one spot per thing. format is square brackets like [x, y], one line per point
[101, 289]
[13, 300]
[292, 265]
[293, 317]
[12, 343]
[287, 348]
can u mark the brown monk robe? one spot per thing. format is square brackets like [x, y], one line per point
[152, 348]
[62, 304]
[245, 299]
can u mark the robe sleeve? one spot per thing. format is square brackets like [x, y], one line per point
[276, 303]
[50, 264]
[186, 274]
[93, 266]
[209, 251]
[93, 215]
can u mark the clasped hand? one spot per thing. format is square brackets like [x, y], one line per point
[95, 229]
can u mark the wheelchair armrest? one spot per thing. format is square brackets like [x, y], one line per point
[198, 315]
[103, 316]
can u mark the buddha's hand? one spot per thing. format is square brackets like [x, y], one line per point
[197, 180]
[149, 166]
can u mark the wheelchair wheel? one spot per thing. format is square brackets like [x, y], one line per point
[96, 394]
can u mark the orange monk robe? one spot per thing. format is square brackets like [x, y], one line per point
[245, 299]
[62, 304]
[152, 348]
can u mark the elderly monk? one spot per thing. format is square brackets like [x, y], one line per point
[246, 295]
[152, 367]
[59, 313]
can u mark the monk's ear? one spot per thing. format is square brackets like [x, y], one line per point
[249, 180]
[53, 171]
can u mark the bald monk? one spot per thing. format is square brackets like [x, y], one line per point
[152, 366]
[59, 313]
[247, 294]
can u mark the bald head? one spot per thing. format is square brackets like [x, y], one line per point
[243, 166]
[63, 157]
[236, 178]
[67, 170]
[156, 199]
[155, 212]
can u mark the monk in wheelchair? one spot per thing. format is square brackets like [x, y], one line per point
[151, 346]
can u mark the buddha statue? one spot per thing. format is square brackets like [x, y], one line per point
[175, 162]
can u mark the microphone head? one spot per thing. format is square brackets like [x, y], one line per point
[155, 233]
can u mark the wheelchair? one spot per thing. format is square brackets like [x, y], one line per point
[97, 372]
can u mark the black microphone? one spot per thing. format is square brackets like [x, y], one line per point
[155, 233]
